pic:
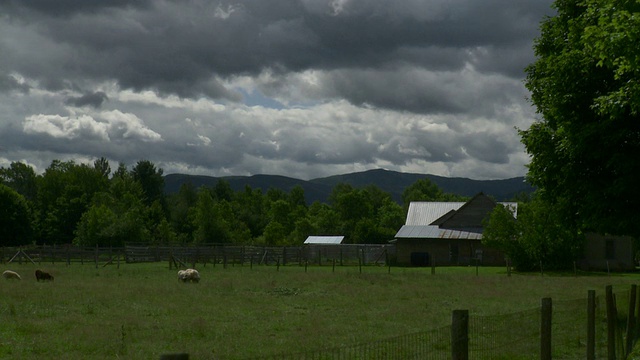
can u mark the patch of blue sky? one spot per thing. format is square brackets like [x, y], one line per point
[257, 98]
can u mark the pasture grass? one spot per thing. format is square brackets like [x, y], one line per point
[140, 311]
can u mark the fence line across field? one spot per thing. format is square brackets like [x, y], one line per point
[598, 327]
[344, 254]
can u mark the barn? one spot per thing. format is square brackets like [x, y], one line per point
[447, 233]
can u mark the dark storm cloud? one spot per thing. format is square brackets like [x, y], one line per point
[93, 99]
[69, 7]
[331, 85]
[9, 83]
[185, 48]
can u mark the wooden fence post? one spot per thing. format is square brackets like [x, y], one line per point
[545, 329]
[631, 321]
[386, 260]
[637, 314]
[591, 325]
[611, 323]
[460, 335]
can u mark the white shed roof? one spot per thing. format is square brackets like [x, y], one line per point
[324, 240]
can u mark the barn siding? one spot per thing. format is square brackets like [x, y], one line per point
[596, 256]
[471, 215]
[439, 250]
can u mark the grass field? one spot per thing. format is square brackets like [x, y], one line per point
[140, 311]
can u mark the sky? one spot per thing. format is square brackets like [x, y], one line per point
[300, 88]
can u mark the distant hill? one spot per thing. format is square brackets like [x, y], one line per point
[390, 181]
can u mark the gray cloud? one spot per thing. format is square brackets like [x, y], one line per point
[68, 8]
[93, 99]
[296, 87]
[181, 49]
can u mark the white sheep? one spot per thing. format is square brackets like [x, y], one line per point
[8, 274]
[189, 275]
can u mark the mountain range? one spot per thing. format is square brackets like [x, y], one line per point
[390, 181]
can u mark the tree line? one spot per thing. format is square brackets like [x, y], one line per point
[89, 205]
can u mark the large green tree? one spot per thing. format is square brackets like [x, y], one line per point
[537, 238]
[118, 215]
[151, 180]
[15, 218]
[585, 84]
[65, 192]
[20, 177]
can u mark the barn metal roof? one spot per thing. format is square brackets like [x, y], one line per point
[426, 212]
[324, 240]
[434, 232]
[423, 215]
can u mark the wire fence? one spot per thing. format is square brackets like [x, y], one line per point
[428, 345]
[509, 336]
[515, 336]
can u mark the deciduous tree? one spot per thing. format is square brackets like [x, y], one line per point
[15, 218]
[22, 178]
[585, 84]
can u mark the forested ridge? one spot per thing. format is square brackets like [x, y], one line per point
[89, 205]
[393, 182]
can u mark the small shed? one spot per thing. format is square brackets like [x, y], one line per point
[323, 248]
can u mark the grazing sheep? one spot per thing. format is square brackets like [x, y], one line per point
[8, 274]
[44, 276]
[189, 275]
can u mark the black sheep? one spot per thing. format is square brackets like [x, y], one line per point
[44, 276]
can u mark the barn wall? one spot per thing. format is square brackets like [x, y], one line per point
[604, 252]
[439, 250]
[471, 214]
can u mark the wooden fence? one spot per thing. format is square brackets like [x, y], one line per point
[346, 254]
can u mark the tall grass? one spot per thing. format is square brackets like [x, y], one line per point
[140, 311]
